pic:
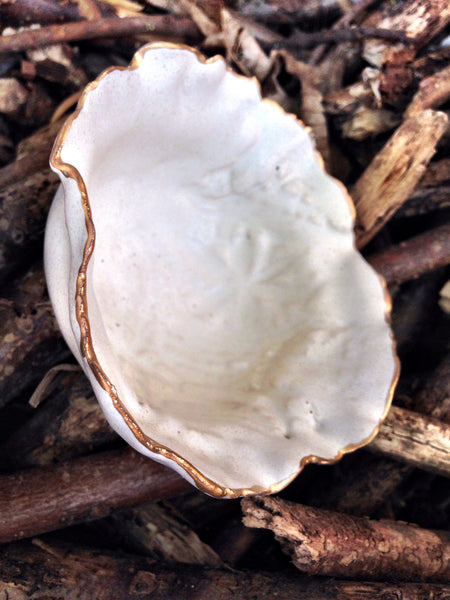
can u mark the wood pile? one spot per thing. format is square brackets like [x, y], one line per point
[82, 516]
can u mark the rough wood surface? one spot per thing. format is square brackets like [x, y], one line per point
[108, 27]
[419, 19]
[416, 439]
[394, 172]
[330, 543]
[20, 13]
[23, 212]
[30, 341]
[413, 257]
[155, 531]
[434, 397]
[40, 500]
[53, 572]
[433, 92]
[68, 423]
[358, 113]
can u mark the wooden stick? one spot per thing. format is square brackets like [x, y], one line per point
[40, 500]
[156, 531]
[419, 19]
[329, 543]
[425, 200]
[20, 13]
[414, 257]
[434, 397]
[394, 172]
[32, 571]
[345, 21]
[301, 39]
[68, 424]
[27, 187]
[110, 27]
[433, 91]
[28, 335]
[416, 439]
[24, 207]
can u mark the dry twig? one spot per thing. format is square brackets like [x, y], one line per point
[329, 543]
[413, 257]
[66, 572]
[433, 91]
[68, 424]
[416, 439]
[28, 335]
[39, 500]
[394, 172]
[110, 27]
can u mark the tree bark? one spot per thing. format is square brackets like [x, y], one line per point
[109, 27]
[55, 572]
[40, 500]
[414, 257]
[67, 424]
[394, 172]
[416, 439]
[30, 342]
[328, 543]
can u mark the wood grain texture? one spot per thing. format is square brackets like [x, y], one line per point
[39, 500]
[331, 543]
[41, 571]
[416, 439]
[393, 174]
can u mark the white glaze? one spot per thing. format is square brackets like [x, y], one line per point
[227, 304]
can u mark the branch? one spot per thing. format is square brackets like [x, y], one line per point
[30, 341]
[414, 257]
[67, 425]
[84, 489]
[62, 572]
[111, 27]
[394, 172]
[433, 91]
[416, 439]
[301, 39]
[27, 187]
[329, 543]
[434, 397]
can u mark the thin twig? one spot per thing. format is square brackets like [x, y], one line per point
[111, 27]
[351, 15]
[414, 257]
[302, 39]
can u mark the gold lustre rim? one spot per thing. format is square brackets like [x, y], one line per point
[81, 306]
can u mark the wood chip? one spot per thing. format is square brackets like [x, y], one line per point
[394, 172]
[13, 96]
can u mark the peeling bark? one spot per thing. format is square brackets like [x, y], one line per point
[416, 439]
[85, 489]
[56, 572]
[394, 172]
[329, 543]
